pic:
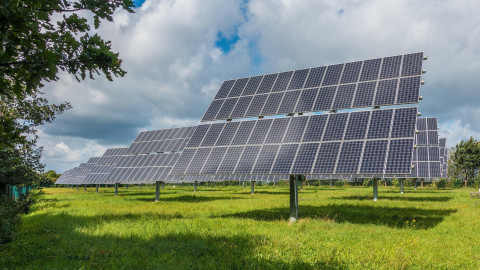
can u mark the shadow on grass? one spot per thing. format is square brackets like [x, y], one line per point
[63, 241]
[396, 198]
[394, 217]
[186, 198]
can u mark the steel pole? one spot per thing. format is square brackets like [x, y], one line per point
[375, 189]
[294, 197]
[157, 191]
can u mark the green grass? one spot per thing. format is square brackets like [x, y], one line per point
[227, 228]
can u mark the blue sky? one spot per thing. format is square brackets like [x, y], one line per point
[178, 52]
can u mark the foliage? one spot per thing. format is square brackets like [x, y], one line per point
[227, 228]
[466, 159]
[442, 183]
[8, 219]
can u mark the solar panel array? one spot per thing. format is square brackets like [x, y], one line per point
[98, 174]
[163, 140]
[374, 142]
[77, 175]
[443, 157]
[426, 156]
[376, 82]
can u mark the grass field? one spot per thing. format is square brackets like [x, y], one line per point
[227, 228]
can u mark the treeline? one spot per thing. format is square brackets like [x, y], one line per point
[464, 163]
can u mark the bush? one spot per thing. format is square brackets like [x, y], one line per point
[442, 183]
[9, 219]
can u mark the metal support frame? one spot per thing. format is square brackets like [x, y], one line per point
[252, 185]
[421, 182]
[401, 186]
[163, 185]
[375, 189]
[77, 187]
[126, 186]
[415, 183]
[157, 191]
[331, 183]
[116, 189]
[294, 196]
[244, 184]
[141, 186]
[195, 186]
[96, 188]
[84, 187]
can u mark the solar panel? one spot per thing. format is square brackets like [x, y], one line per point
[443, 157]
[166, 140]
[376, 82]
[313, 144]
[427, 161]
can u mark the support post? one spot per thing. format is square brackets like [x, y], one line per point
[294, 197]
[401, 186]
[244, 184]
[252, 185]
[195, 186]
[331, 183]
[415, 183]
[126, 186]
[72, 186]
[96, 188]
[141, 186]
[375, 189]
[301, 185]
[84, 187]
[157, 191]
[77, 187]
[421, 183]
[163, 185]
[106, 185]
[116, 189]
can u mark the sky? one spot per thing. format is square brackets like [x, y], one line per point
[178, 52]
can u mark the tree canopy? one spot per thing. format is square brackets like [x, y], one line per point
[466, 159]
[41, 38]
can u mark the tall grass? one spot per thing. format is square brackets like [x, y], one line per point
[227, 228]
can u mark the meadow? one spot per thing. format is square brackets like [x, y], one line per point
[228, 228]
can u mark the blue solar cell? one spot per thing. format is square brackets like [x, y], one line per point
[344, 96]
[432, 137]
[241, 107]
[433, 154]
[391, 67]
[252, 85]
[198, 160]
[282, 81]
[298, 79]
[412, 64]
[227, 134]
[332, 76]
[422, 124]
[289, 101]
[364, 94]
[265, 159]
[305, 158]
[370, 70]
[260, 131]
[256, 105]
[212, 134]
[183, 161]
[284, 161]
[272, 103]
[197, 137]
[326, 158]
[295, 129]
[243, 133]
[399, 157]
[351, 72]
[230, 160]
[213, 110]
[247, 160]
[404, 122]
[315, 77]
[422, 170]
[227, 108]
[277, 131]
[432, 123]
[380, 124]
[422, 153]
[386, 92]
[267, 83]
[237, 88]
[409, 90]
[434, 169]
[374, 154]
[357, 126]
[224, 89]
[335, 127]
[421, 138]
[325, 98]
[213, 161]
[315, 127]
[307, 98]
[349, 158]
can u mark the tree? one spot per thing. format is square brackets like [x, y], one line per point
[39, 39]
[466, 159]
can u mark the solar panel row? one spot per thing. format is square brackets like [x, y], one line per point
[350, 143]
[426, 156]
[376, 82]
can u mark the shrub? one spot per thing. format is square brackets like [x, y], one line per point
[442, 183]
[9, 219]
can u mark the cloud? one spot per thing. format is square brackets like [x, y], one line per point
[176, 59]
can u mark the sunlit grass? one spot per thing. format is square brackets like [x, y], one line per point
[226, 227]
